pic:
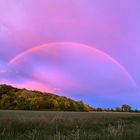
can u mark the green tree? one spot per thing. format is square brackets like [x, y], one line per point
[35, 103]
[118, 109]
[5, 101]
[99, 109]
[83, 107]
[126, 108]
[22, 103]
[54, 104]
[73, 106]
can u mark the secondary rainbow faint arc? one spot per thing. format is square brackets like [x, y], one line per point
[13, 60]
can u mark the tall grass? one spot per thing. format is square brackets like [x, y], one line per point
[31, 125]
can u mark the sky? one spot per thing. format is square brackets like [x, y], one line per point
[84, 49]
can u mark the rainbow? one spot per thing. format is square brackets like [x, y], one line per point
[99, 52]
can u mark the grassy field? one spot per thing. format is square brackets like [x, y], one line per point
[41, 125]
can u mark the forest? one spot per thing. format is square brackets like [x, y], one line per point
[12, 98]
[23, 99]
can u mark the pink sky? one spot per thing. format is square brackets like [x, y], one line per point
[110, 77]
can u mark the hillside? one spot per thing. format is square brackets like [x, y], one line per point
[23, 99]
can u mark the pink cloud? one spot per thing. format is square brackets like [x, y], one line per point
[3, 71]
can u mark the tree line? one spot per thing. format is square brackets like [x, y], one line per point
[23, 99]
[123, 108]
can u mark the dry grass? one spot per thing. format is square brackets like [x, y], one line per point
[41, 125]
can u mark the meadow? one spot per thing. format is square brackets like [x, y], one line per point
[44, 125]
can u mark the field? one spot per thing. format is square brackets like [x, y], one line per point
[41, 125]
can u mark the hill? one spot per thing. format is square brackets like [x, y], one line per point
[23, 99]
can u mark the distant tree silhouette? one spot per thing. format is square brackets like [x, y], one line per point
[126, 108]
[118, 109]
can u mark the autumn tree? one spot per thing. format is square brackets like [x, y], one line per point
[5, 101]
